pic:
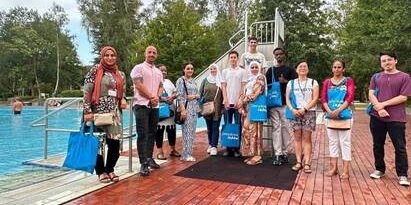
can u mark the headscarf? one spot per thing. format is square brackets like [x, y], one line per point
[214, 79]
[104, 67]
[252, 79]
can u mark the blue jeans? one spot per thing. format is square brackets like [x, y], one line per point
[213, 131]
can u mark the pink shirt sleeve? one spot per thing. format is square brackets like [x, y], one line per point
[324, 90]
[136, 72]
[350, 91]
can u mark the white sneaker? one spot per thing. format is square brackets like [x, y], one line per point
[377, 174]
[190, 159]
[403, 181]
[208, 149]
[213, 151]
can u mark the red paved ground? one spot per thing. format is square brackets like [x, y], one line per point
[162, 187]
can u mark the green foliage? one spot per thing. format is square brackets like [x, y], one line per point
[371, 27]
[71, 93]
[113, 23]
[180, 37]
[308, 34]
[28, 60]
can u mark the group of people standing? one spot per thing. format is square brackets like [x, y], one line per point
[243, 81]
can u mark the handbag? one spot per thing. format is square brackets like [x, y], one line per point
[339, 124]
[376, 90]
[230, 135]
[102, 119]
[336, 96]
[288, 113]
[82, 150]
[274, 98]
[177, 116]
[164, 111]
[258, 109]
[208, 108]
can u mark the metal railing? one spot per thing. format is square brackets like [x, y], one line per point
[70, 102]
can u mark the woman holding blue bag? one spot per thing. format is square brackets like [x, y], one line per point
[166, 123]
[337, 95]
[104, 91]
[301, 98]
[252, 128]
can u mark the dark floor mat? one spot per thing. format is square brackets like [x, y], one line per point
[234, 170]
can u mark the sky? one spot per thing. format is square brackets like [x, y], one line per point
[83, 45]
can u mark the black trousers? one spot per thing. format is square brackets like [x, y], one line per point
[171, 135]
[146, 126]
[113, 153]
[396, 131]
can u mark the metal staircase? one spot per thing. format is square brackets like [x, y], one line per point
[270, 35]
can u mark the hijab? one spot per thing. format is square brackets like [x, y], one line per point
[102, 67]
[252, 78]
[214, 79]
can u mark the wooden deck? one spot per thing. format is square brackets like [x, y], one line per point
[162, 187]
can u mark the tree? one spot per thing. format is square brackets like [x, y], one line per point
[370, 27]
[113, 23]
[58, 15]
[308, 34]
[179, 36]
[29, 52]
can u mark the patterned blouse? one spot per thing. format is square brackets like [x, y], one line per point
[192, 106]
[107, 103]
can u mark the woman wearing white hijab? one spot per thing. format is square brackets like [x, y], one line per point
[210, 91]
[252, 132]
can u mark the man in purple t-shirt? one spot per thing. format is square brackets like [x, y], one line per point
[389, 115]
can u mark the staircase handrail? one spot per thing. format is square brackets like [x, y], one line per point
[70, 102]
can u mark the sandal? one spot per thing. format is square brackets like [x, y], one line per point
[174, 153]
[253, 161]
[297, 166]
[307, 168]
[104, 178]
[247, 159]
[161, 156]
[114, 177]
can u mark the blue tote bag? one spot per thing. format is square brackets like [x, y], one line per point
[82, 150]
[288, 113]
[336, 96]
[230, 135]
[164, 109]
[376, 90]
[274, 98]
[258, 109]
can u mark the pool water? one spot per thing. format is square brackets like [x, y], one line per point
[20, 142]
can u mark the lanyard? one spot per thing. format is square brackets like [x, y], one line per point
[305, 86]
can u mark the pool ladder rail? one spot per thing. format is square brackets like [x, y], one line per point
[126, 133]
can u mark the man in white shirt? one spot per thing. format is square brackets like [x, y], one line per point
[253, 55]
[233, 80]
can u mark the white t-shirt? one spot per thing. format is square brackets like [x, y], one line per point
[169, 87]
[303, 92]
[248, 57]
[233, 79]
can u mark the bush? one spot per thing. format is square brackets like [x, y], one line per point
[71, 93]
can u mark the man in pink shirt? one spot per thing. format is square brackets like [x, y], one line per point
[148, 86]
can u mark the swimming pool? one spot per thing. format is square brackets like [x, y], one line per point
[20, 142]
